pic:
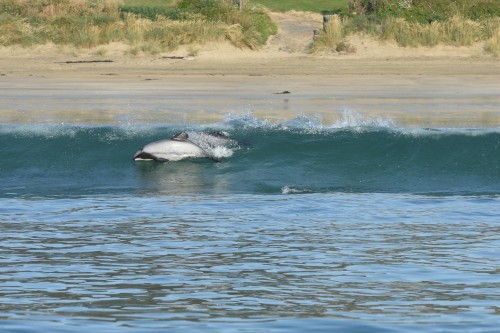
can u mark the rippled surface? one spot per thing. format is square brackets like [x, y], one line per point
[250, 263]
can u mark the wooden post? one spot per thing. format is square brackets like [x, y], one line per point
[242, 3]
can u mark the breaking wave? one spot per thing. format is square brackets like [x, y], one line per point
[355, 154]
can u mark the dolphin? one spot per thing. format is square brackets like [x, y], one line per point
[174, 149]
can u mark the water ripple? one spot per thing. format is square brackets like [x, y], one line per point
[371, 261]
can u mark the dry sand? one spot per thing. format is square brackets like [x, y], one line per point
[442, 86]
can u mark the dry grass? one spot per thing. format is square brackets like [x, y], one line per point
[457, 31]
[84, 23]
[462, 32]
[332, 37]
[48, 10]
[493, 44]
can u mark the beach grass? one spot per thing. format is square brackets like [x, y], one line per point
[415, 23]
[427, 11]
[410, 24]
[457, 31]
[92, 23]
[493, 44]
[154, 26]
[332, 37]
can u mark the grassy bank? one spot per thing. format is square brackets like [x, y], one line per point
[414, 23]
[155, 26]
[90, 23]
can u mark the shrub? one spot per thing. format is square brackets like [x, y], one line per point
[331, 38]
[456, 31]
[212, 10]
[427, 11]
[151, 13]
[255, 24]
[493, 44]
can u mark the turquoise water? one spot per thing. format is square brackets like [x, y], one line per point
[300, 227]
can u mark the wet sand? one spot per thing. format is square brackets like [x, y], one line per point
[456, 93]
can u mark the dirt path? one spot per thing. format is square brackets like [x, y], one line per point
[295, 31]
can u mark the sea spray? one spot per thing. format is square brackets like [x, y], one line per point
[356, 120]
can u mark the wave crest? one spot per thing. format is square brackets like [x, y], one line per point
[351, 119]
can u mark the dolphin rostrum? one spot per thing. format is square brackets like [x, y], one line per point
[174, 149]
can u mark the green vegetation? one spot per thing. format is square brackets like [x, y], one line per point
[416, 23]
[318, 6]
[427, 11]
[150, 3]
[60, 22]
[94, 22]
[457, 31]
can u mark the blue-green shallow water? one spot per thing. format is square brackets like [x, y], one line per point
[303, 228]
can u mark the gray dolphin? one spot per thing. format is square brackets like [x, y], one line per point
[174, 149]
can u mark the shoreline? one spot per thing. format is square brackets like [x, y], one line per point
[405, 100]
[439, 87]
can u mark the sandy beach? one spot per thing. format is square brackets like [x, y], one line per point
[443, 86]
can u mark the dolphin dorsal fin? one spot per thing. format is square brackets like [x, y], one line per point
[182, 136]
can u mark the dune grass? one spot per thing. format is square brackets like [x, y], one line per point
[154, 26]
[414, 23]
[95, 22]
[457, 31]
[427, 11]
[61, 22]
[332, 37]
[493, 44]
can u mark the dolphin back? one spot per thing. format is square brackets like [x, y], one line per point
[169, 150]
[184, 145]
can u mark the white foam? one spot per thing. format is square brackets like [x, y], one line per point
[216, 146]
[221, 152]
[291, 190]
[351, 119]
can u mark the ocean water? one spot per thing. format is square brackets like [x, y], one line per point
[357, 226]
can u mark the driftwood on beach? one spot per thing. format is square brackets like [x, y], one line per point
[83, 61]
